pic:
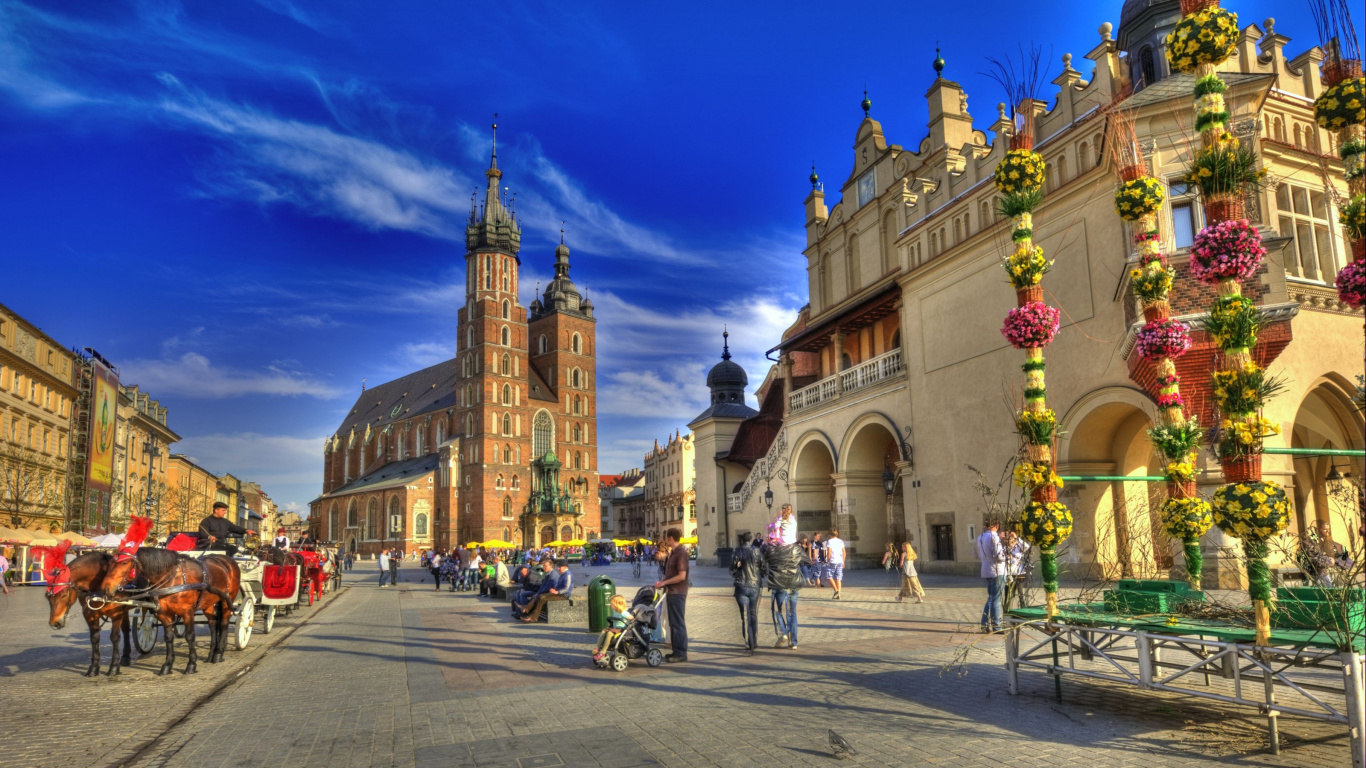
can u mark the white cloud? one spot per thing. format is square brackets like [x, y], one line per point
[429, 353]
[193, 375]
[287, 468]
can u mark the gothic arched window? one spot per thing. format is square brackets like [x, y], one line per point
[577, 344]
[507, 309]
[542, 435]
[541, 345]
[574, 378]
[507, 394]
[507, 506]
[507, 337]
[507, 365]
[507, 424]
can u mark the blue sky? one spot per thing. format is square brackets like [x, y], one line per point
[251, 206]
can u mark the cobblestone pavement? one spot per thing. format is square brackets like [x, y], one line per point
[413, 677]
[54, 717]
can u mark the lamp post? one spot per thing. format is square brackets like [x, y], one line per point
[889, 487]
[768, 496]
[150, 449]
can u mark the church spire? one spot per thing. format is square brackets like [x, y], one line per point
[493, 203]
[495, 227]
[725, 343]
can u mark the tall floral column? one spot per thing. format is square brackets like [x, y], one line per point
[1030, 326]
[1227, 251]
[1176, 437]
[1342, 109]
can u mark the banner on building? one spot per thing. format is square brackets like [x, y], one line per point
[104, 402]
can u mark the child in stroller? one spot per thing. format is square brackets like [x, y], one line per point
[449, 571]
[640, 625]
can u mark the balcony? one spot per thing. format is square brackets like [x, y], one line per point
[859, 377]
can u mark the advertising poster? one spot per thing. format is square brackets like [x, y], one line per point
[104, 400]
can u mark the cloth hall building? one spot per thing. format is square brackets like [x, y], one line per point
[499, 442]
[889, 385]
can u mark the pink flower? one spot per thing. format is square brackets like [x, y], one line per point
[1031, 326]
[1229, 250]
[1170, 401]
[1163, 338]
[1352, 284]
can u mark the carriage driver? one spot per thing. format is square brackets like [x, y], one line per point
[215, 529]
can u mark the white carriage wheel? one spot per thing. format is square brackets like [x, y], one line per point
[245, 616]
[270, 620]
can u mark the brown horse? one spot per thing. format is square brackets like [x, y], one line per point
[86, 575]
[180, 586]
[277, 556]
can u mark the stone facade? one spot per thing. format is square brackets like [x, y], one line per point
[897, 368]
[670, 495]
[460, 451]
[37, 397]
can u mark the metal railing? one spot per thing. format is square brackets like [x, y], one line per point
[861, 376]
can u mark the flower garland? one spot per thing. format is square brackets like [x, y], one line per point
[1352, 284]
[1228, 250]
[1206, 37]
[1031, 326]
[1026, 267]
[1138, 198]
[1163, 338]
[1342, 105]
[1045, 525]
[1187, 519]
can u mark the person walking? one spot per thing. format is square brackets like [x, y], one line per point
[4, 572]
[434, 566]
[993, 558]
[383, 561]
[675, 586]
[744, 570]
[350, 559]
[910, 579]
[817, 566]
[834, 570]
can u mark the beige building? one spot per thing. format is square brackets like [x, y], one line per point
[670, 498]
[189, 494]
[897, 370]
[141, 457]
[37, 392]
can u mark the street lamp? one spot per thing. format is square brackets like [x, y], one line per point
[888, 481]
[150, 449]
[768, 496]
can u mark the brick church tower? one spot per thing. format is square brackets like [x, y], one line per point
[516, 410]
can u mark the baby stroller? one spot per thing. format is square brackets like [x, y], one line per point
[634, 641]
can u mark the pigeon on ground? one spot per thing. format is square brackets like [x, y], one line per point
[841, 748]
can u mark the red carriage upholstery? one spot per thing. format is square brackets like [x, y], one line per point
[280, 582]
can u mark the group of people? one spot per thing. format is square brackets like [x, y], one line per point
[824, 559]
[388, 561]
[1004, 558]
[1325, 562]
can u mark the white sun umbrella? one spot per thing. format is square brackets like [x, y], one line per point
[109, 540]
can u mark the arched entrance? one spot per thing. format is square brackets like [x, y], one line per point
[1326, 418]
[351, 545]
[547, 535]
[813, 485]
[870, 449]
[1118, 528]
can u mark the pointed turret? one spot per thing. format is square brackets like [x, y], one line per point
[495, 228]
[561, 295]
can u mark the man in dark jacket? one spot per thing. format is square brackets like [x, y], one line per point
[215, 529]
[744, 569]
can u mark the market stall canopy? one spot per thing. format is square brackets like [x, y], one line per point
[11, 536]
[498, 544]
[76, 539]
[556, 543]
[108, 540]
[575, 543]
[688, 540]
[473, 544]
[622, 542]
[33, 538]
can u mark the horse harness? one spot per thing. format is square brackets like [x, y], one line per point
[147, 597]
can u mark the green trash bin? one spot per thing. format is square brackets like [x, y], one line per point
[600, 592]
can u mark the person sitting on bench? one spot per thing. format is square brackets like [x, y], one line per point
[537, 580]
[561, 584]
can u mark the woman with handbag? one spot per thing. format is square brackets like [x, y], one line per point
[910, 580]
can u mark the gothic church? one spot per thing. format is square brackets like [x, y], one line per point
[499, 442]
